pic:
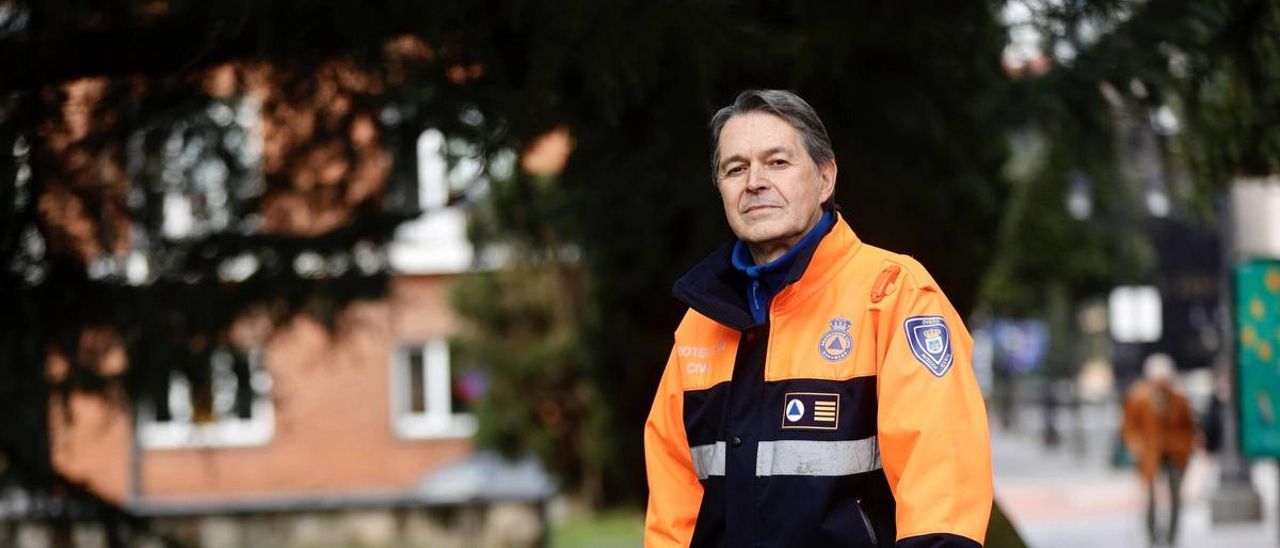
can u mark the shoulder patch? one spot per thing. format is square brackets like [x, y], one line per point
[886, 283]
[930, 342]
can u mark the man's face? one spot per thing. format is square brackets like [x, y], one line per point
[772, 190]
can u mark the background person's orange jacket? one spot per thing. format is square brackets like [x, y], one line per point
[851, 417]
[1158, 425]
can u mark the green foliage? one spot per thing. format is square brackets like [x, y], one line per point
[537, 399]
[1217, 61]
[1041, 244]
[521, 327]
[1214, 64]
[1231, 92]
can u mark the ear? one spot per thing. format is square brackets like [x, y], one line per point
[827, 178]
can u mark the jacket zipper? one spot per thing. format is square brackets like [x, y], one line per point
[866, 522]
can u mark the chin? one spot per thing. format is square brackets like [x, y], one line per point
[764, 229]
[764, 234]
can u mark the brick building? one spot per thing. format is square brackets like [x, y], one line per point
[359, 435]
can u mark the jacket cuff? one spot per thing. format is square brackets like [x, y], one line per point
[937, 540]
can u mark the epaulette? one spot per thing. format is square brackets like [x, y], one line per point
[886, 283]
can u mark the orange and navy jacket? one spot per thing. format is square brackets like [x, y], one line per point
[850, 417]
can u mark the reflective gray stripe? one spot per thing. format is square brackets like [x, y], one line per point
[817, 458]
[708, 460]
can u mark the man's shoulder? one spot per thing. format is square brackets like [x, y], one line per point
[691, 319]
[702, 336]
[694, 321]
[1139, 392]
[913, 273]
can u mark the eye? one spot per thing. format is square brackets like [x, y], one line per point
[734, 170]
[778, 162]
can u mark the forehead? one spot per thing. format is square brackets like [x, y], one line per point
[755, 132]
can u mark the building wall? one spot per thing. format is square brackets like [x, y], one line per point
[89, 442]
[333, 429]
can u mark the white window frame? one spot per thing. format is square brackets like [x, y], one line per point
[437, 420]
[227, 430]
[436, 242]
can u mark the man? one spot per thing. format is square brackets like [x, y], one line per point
[1160, 433]
[820, 391]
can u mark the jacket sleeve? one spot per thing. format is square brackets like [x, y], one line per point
[674, 491]
[932, 424]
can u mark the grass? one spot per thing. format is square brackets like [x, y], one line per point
[613, 529]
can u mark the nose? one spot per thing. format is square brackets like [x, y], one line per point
[757, 180]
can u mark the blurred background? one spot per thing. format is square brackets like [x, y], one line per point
[397, 273]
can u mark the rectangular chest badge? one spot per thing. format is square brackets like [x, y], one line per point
[811, 411]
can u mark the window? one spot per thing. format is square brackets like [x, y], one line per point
[202, 161]
[431, 398]
[231, 408]
[436, 242]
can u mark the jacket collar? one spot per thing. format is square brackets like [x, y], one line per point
[717, 290]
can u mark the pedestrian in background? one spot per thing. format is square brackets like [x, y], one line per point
[1160, 432]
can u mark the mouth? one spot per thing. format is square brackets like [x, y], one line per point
[758, 207]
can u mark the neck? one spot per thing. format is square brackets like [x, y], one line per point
[767, 252]
[764, 253]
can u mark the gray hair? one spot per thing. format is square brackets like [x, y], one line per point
[783, 104]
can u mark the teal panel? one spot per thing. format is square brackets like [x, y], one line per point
[1258, 356]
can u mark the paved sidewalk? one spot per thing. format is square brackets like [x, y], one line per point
[1065, 498]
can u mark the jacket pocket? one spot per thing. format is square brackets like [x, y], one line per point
[866, 523]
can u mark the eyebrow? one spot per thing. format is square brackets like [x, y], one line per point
[740, 158]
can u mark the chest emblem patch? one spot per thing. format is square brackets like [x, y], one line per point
[811, 411]
[836, 344]
[930, 342]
